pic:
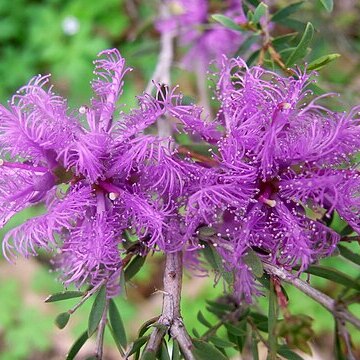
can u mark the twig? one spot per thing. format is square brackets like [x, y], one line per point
[170, 320]
[323, 299]
[100, 333]
[342, 331]
[326, 301]
[163, 66]
[87, 296]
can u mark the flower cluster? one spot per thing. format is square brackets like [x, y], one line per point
[96, 176]
[282, 164]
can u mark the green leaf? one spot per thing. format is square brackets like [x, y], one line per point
[254, 347]
[138, 344]
[286, 11]
[285, 352]
[202, 319]
[175, 351]
[63, 296]
[148, 355]
[221, 343]
[301, 48]
[260, 320]
[348, 254]
[97, 310]
[328, 5]
[322, 61]
[62, 320]
[206, 231]
[147, 325]
[333, 275]
[227, 22]
[164, 353]
[236, 330]
[117, 324]
[205, 351]
[282, 42]
[133, 268]
[253, 57]
[259, 12]
[78, 344]
[253, 261]
[215, 261]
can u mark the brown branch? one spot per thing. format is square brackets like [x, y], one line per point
[326, 301]
[170, 320]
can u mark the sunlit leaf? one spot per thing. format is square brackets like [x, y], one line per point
[259, 12]
[322, 61]
[227, 22]
[328, 5]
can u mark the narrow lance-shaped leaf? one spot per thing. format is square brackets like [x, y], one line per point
[227, 22]
[63, 296]
[286, 353]
[322, 61]
[348, 254]
[333, 275]
[134, 267]
[175, 351]
[164, 353]
[138, 344]
[117, 324]
[202, 319]
[301, 49]
[205, 351]
[286, 11]
[97, 310]
[259, 12]
[78, 344]
[328, 5]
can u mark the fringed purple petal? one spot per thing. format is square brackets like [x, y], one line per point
[90, 252]
[108, 87]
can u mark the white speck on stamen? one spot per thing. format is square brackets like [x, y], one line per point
[113, 196]
[82, 109]
[1, 162]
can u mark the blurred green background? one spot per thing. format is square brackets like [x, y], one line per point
[62, 37]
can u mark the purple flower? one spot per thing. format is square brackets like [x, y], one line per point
[97, 176]
[283, 164]
[207, 41]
